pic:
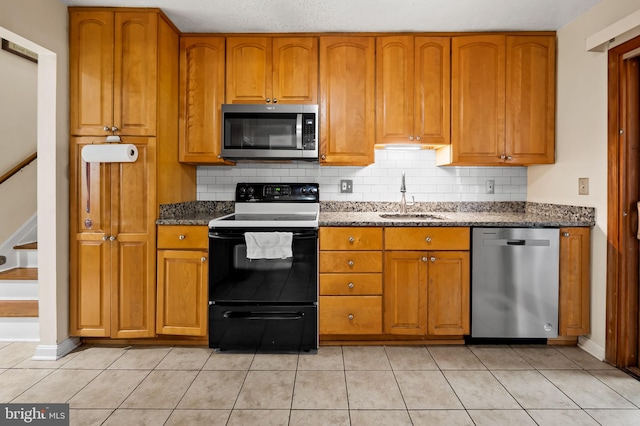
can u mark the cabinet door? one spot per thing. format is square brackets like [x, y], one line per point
[405, 293]
[201, 98]
[574, 282]
[90, 248]
[249, 72]
[182, 292]
[394, 89]
[432, 99]
[530, 90]
[478, 99]
[347, 100]
[295, 70]
[90, 72]
[135, 73]
[133, 215]
[448, 293]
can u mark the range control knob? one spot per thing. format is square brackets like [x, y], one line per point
[250, 190]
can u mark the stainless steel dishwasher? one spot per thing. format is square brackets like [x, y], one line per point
[514, 282]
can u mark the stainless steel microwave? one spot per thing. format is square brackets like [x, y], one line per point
[270, 132]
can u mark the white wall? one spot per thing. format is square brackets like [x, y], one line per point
[43, 26]
[377, 182]
[18, 78]
[581, 140]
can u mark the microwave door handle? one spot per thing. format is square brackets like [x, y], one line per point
[299, 131]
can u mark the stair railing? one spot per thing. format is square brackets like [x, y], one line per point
[21, 165]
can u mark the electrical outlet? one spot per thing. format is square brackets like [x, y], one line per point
[583, 186]
[490, 186]
[346, 186]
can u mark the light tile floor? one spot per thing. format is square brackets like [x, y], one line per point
[366, 385]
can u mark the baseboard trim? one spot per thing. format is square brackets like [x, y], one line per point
[591, 347]
[54, 352]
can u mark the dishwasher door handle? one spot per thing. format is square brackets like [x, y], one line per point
[516, 242]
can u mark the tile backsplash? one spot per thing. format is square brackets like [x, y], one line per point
[378, 182]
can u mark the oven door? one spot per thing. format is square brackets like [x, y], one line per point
[235, 279]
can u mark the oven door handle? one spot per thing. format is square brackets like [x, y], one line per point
[248, 315]
[297, 235]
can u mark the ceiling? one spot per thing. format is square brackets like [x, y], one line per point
[275, 16]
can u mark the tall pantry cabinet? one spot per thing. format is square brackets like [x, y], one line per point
[123, 81]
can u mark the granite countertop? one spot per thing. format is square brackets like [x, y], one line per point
[521, 214]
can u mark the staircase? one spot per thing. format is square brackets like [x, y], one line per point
[19, 297]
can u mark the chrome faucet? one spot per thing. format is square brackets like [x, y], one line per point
[403, 199]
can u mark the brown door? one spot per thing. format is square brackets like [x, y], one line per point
[623, 321]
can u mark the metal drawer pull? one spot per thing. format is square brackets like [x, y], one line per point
[350, 285]
[203, 259]
[350, 263]
[433, 259]
[351, 239]
[181, 237]
[428, 239]
[565, 234]
[350, 317]
[424, 258]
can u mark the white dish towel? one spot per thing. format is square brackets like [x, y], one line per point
[268, 245]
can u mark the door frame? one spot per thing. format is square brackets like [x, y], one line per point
[622, 245]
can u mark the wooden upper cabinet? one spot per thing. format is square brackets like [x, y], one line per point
[272, 70]
[413, 90]
[575, 282]
[478, 99]
[91, 37]
[113, 72]
[295, 70]
[347, 100]
[202, 64]
[530, 112]
[503, 101]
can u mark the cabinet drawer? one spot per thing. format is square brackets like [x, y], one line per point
[351, 238]
[350, 315]
[183, 237]
[417, 238]
[350, 284]
[350, 261]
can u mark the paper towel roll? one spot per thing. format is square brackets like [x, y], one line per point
[110, 153]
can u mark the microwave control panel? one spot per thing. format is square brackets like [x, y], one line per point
[309, 131]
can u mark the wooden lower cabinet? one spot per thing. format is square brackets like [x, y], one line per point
[427, 293]
[183, 270]
[574, 303]
[350, 315]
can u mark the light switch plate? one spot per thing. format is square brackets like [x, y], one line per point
[583, 186]
[346, 186]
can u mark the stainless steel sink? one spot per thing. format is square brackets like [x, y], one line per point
[411, 216]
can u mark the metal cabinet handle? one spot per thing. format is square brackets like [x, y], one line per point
[417, 138]
[424, 258]
[203, 259]
[105, 238]
[351, 239]
[350, 263]
[268, 100]
[275, 100]
[410, 138]
[509, 158]
[181, 237]
[428, 239]
[350, 317]
[324, 157]
[106, 128]
[114, 129]
[433, 259]
[112, 238]
[350, 285]
[565, 234]
[502, 156]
